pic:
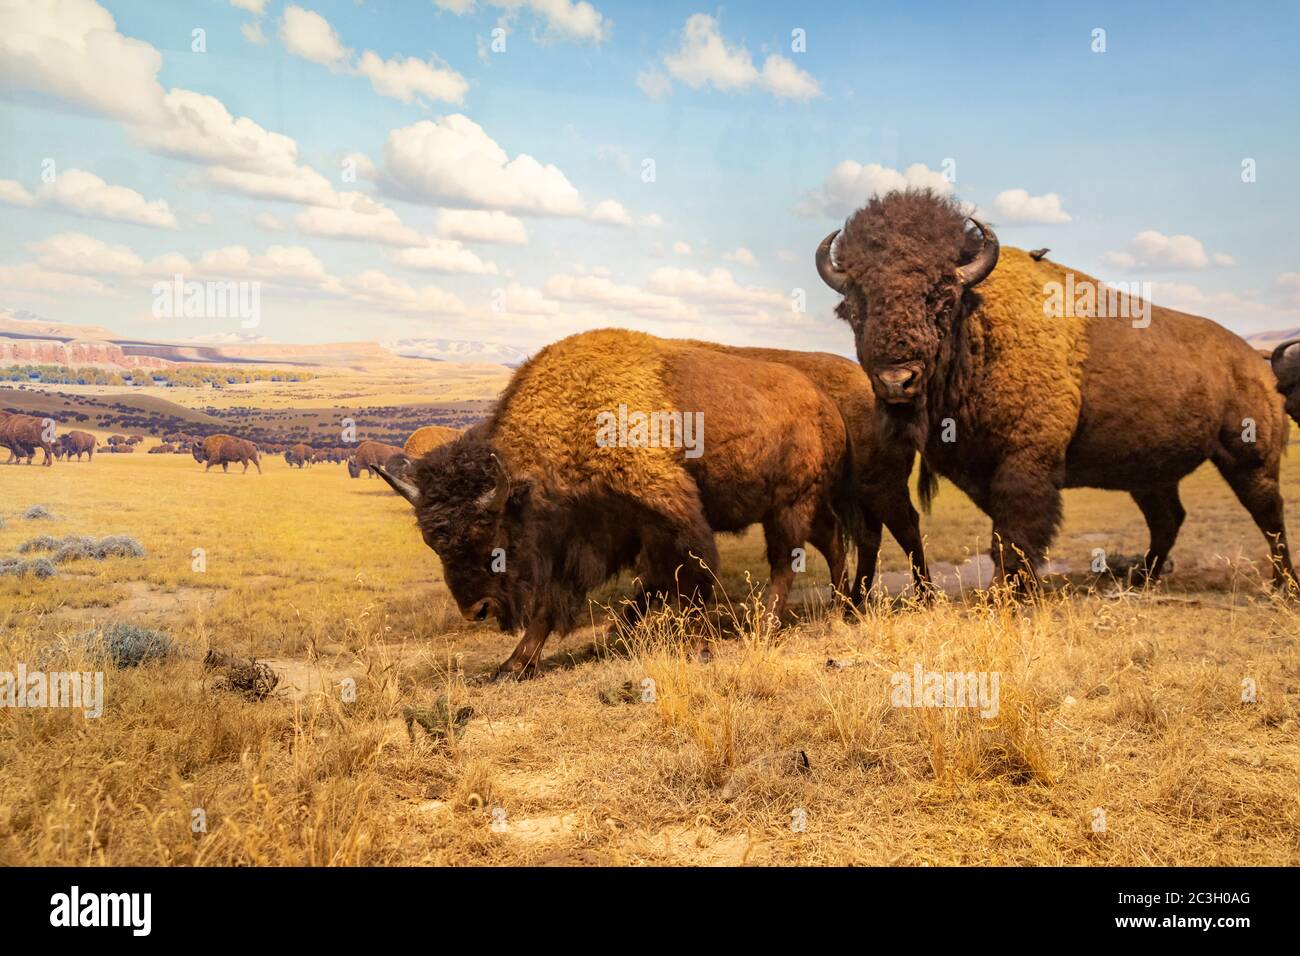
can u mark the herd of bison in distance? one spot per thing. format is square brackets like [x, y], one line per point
[959, 362]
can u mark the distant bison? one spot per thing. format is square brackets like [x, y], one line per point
[298, 455]
[368, 455]
[75, 443]
[224, 449]
[22, 435]
[166, 448]
[569, 496]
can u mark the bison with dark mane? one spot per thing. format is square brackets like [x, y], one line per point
[299, 455]
[224, 449]
[538, 486]
[1012, 405]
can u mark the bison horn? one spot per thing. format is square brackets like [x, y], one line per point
[978, 269]
[1277, 352]
[500, 493]
[400, 485]
[831, 274]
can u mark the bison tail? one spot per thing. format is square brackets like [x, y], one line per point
[846, 503]
[927, 485]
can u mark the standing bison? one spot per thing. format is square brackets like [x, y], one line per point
[224, 449]
[76, 443]
[22, 435]
[299, 455]
[1013, 405]
[567, 498]
[368, 456]
[1285, 360]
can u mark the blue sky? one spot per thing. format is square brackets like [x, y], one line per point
[501, 194]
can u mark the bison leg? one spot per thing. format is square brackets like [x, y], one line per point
[785, 530]
[868, 545]
[827, 539]
[1258, 491]
[225, 467]
[258, 465]
[1025, 504]
[905, 525]
[1164, 514]
[523, 662]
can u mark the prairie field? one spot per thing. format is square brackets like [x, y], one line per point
[1122, 734]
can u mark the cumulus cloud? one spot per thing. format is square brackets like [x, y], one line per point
[84, 194]
[741, 257]
[1018, 207]
[374, 287]
[611, 213]
[307, 34]
[850, 184]
[718, 288]
[1153, 250]
[681, 248]
[76, 253]
[601, 291]
[561, 19]
[453, 161]
[443, 255]
[357, 217]
[255, 7]
[479, 225]
[252, 32]
[704, 58]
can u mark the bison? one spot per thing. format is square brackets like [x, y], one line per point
[422, 441]
[299, 455]
[22, 435]
[224, 449]
[1013, 405]
[1286, 368]
[164, 449]
[569, 493]
[76, 443]
[368, 456]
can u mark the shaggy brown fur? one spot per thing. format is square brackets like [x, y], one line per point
[368, 456]
[1036, 404]
[299, 455]
[1285, 362]
[881, 467]
[163, 449]
[76, 443]
[224, 449]
[22, 435]
[426, 439]
[569, 513]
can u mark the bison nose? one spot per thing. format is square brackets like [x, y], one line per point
[897, 383]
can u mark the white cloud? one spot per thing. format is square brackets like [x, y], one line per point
[706, 59]
[291, 264]
[443, 255]
[70, 50]
[681, 248]
[307, 34]
[255, 7]
[453, 161]
[611, 213]
[477, 225]
[402, 79]
[1017, 206]
[76, 253]
[30, 277]
[374, 287]
[525, 300]
[357, 217]
[718, 287]
[598, 290]
[850, 184]
[269, 221]
[252, 32]
[84, 194]
[13, 193]
[562, 19]
[652, 219]
[1151, 249]
[740, 256]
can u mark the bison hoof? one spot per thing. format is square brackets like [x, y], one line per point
[513, 672]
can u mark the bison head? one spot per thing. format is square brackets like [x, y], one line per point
[200, 453]
[467, 507]
[354, 470]
[903, 264]
[1286, 366]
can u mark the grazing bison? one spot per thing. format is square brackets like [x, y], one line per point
[1013, 405]
[76, 443]
[164, 449]
[368, 456]
[572, 489]
[224, 449]
[22, 435]
[117, 439]
[299, 455]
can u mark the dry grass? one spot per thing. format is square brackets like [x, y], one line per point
[1130, 704]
